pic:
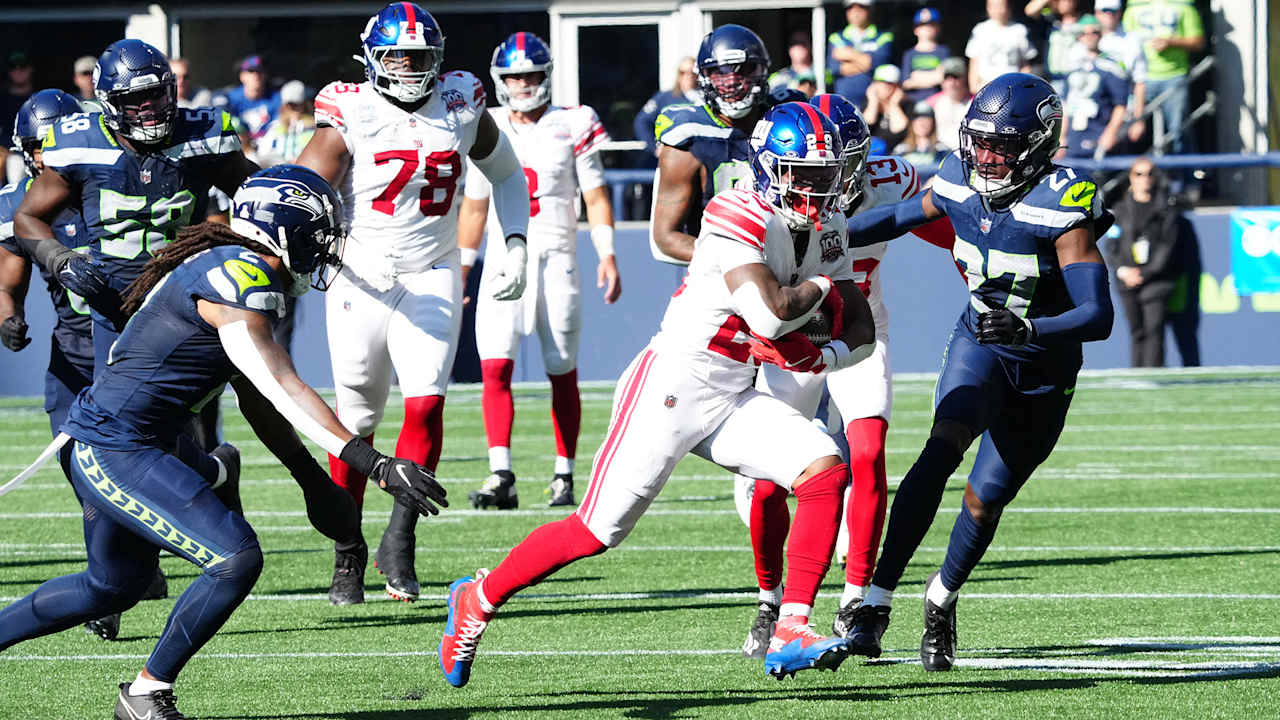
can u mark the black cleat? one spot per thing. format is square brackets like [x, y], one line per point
[347, 587]
[229, 491]
[561, 491]
[394, 559]
[868, 626]
[158, 705]
[757, 644]
[938, 646]
[106, 627]
[159, 587]
[843, 623]
[498, 491]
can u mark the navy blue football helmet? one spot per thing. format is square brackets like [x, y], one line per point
[523, 52]
[796, 161]
[784, 94]
[34, 119]
[403, 48]
[1009, 135]
[297, 215]
[855, 141]
[137, 91]
[732, 69]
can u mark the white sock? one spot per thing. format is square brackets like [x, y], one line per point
[938, 593]
[564, 465]
[773, 597]
[800, 609]
[877, 595]
[485, 605]
[146, 686]
[852, 592]
[499, 459]
[222, 473]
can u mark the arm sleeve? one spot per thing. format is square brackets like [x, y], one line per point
[1092, 316]
[477, 186]
[510, 190]
[886, 222]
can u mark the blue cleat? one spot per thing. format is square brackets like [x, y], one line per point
[462, 631]
[795, 647]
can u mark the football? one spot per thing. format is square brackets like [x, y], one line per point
[818, 329]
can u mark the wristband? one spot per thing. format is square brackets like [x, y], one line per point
[824, 284]
[602, 238]
[516, 237]
[361, 456]
[836, 354]
[469, 256]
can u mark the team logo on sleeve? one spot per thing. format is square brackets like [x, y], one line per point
[453, 100]
[246, 275]
[831, 246]
[1080, 195]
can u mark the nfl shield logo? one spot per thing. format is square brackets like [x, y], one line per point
[985, 225]
[70, 230]
[146, 176]
[670, 401]
[346, 304]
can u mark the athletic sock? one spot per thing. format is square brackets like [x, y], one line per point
[499, 459]
[348, 479]
[878, 596]
[914, 507]
[773, 596]
[770, 521]
[938, 593]
[969, 542]
[422, 431]
[800, 611]
[564, 465]
[146, 686]
[813, 538]
[496, 404]
[566, 414]
[546, 550]
[864, 514]
[852, 593]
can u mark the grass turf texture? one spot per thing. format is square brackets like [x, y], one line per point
[1134, 577]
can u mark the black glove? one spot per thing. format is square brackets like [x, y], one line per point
[330, 508]
[13, 333]
[1003, 327]
[82, 275]
[409, 483]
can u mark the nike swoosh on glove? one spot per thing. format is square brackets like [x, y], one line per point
[410, 484]
[793, 352]
[510, 282]
[13, 333]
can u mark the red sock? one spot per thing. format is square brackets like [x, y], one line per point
[543, 552]
[813, 538]
[348, 479]
[770, 521]
[566, 412]
[865, 513]
[496, 403]
[423, 430]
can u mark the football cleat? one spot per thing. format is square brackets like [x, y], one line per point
[229, 491]
[106, 627]
[843, 623]
[938, 645]
[795, 647]
[757, 644]
[466, 623]
[867, 627]
[394, 559]
[159, 587]
[347, 586]
[498, 491]
[158, 705]
[560, 490]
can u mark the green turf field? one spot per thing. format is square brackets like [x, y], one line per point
[1136, 576]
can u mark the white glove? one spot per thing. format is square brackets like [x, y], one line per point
[509, 284]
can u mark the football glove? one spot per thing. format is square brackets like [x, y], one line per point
[13, 333]
[793, 352]
[81, 275]
[1003, 327]
[509, 284]
[330, 509]
[412, 485]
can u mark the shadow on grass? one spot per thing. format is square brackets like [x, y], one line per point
[1096, 560]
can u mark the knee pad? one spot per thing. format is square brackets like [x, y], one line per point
[982, 513]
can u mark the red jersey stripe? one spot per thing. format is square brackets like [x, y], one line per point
[737, 216]
[732, 233]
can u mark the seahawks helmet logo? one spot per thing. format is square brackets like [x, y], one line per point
[275, 191]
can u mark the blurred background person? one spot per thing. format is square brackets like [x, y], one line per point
[997, 45]
[83, 79]
[189, 94]
[17, 90]
[291, 131]
[922, 63]
[920, 147]
[1127, 50]
[1059, 26]
[856, 51]
[1095, 102]
[952, 102]
[800, 53]
[884, 113]
[252, 101]
[683, 90]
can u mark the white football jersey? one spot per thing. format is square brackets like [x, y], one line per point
[888, 180]
[406, 167]
[703, 321]
[560, 155]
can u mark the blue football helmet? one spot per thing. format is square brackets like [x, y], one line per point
[784, 94]
[1009, 135]
[137, 91]
[796, 161]
[855, 141]
[403, 49]
[34, 119]
[297, 215]
[523, 52]
[732, 69]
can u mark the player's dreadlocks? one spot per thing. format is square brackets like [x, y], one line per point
[191, 240]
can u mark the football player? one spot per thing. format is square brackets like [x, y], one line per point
[1026, 234]
[704, 149]
[202, 312]
[559, 150]
[396, 147]
[690, 390]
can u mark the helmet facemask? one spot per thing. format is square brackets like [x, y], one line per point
[146, 113]
[998, 166]
[537, 96]
[804, 192]
[735, 88]
[853, 166]
[405, 73]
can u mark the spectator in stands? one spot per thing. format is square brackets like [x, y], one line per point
[1170, 31]
[16, 92]
[856, 51]
[922, 64]
[288, 134]
[1061, 18]
[1143, 247]
[921, 147]
[884, 113]
[252, 101]
[1094, 106]
[83, 78]
[952, 102]
[1128, 51]
[683, 90]
[997, 45]
[800, 53]
[188, 94]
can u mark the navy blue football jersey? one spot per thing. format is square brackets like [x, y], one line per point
[134, 204]
[1094, 89]
[73, 331]
[1008, 254]
[723, 150]
[168, 361]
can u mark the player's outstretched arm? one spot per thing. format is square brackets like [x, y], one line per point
[493, 155]
[674, 183]
[15, 276]
[246, 338]
[327, 154]
[886, 222]
[600, 218]
[232, 171]
[48, 194]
